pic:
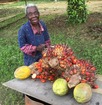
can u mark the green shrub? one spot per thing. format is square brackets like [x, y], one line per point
[77, 12]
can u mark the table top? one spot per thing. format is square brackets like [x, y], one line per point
[43, 91]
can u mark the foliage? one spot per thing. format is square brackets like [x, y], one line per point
[10, 59]
[77, 12]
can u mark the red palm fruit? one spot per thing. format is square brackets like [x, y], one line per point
[67, 79]
[95, 86]
[93, 68]
[46, 73]
[43, 80]
[74, 61]
[70, 64]
[71, 52]
[83, 72]
[74, 71]
[38, 76]
[72, 57]
[51, 78]
[38, 65]
[63, 73]
[40, 69]
[87, 73]
[53, 75]
[71, 72]
[83, 69]
[42, 76]
[83, 81]
[92, 75]
[45, 77]
[61, 62]
[87, 78]
[63, 66]
[45, 54]
[54, 54]
[87, 64]
[49, 58]
[40, 61]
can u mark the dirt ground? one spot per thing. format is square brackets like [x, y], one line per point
[60, 7]
[3, 1]
[56, 8]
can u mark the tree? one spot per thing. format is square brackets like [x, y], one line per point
[77, 12]
[56, 0]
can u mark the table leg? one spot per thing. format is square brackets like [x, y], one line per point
[28, 101]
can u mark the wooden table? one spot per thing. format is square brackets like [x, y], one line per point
[43, 91]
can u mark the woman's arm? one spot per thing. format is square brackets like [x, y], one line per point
[24, 46]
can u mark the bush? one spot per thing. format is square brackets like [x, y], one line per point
[77, 12]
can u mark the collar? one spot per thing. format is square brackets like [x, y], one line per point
[35, 31]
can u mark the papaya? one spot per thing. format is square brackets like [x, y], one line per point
[22, 72]
[82, 92]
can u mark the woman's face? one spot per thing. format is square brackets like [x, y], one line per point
[33, 15]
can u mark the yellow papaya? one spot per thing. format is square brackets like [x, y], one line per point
[22, 72]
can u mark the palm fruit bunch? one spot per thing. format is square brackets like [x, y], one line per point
[81, 72]
[59, 61]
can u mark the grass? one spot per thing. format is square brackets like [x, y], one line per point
[10, 58]
[85, 39]
[11, 20]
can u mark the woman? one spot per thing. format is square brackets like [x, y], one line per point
[33, 37]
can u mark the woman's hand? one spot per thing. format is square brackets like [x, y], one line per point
[40, 47]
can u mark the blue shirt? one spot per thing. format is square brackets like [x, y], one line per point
[27, 36]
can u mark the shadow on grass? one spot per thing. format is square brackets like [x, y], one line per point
[92, 25]
[6, 12]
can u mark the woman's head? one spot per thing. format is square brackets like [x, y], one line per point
[32, 14]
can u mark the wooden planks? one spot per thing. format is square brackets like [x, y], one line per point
[43, 91]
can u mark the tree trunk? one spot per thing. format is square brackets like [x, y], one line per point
[55, 0]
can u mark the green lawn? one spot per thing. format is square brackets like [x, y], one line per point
[85, 39]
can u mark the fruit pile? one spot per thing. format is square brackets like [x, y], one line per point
[60, 61]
